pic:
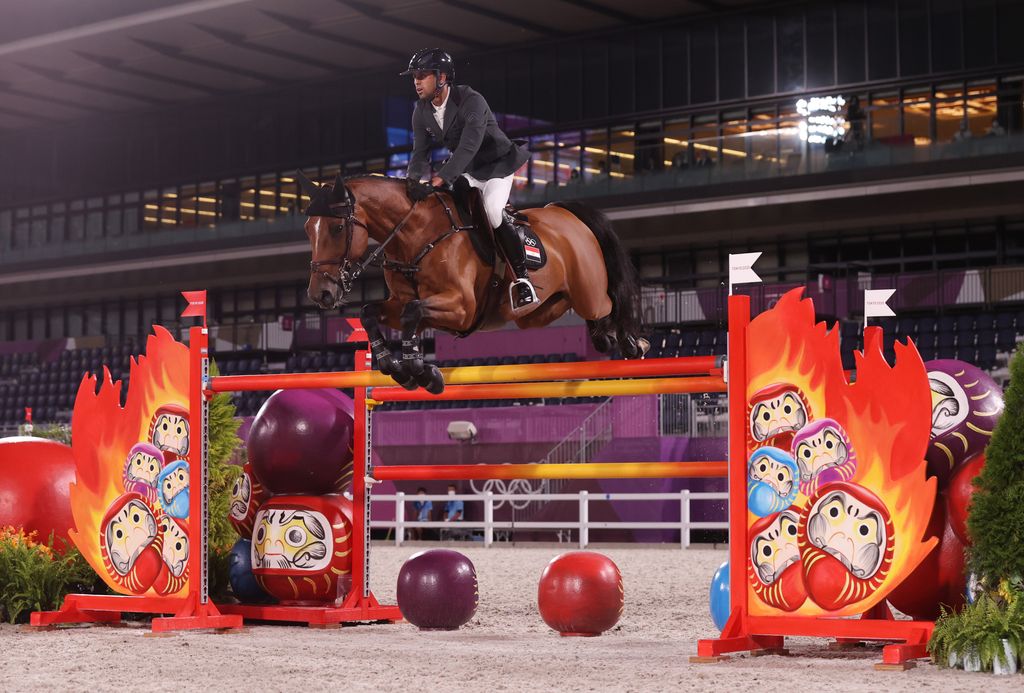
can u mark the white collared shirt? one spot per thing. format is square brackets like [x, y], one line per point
[439, 110]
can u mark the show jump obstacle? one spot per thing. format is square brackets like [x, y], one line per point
[782, 363]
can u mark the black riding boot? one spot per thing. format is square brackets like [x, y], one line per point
[521, 292]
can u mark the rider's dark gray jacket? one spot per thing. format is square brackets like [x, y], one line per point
[471, 134]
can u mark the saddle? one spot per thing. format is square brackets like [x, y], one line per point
[469, 206]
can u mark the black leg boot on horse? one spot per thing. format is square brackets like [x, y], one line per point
[425, 375]
[382, 357]
[520, 292]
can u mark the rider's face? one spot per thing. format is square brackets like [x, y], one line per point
[425, 82]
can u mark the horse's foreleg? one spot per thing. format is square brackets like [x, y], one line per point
[383, 359]
[425, 375]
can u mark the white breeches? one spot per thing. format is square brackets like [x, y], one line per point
[495, 192]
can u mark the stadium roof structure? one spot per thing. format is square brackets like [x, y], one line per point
[63, 61]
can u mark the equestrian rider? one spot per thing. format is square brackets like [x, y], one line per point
[459, 118]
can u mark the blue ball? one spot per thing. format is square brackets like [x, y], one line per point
[243, 582]
[719, 597]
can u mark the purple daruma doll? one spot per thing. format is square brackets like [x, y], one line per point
[966, 405]
[141, 469]
[824, 454]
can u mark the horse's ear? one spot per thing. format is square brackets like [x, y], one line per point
[309, 187]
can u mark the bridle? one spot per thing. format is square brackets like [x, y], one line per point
[349, 270]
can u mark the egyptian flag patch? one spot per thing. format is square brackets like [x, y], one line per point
[535, 255]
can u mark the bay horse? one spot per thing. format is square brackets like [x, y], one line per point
[436, 278]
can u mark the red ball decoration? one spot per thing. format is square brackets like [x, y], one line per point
[35, 475]
[958, 495]
[580, 593]
[300, 442]
[939, 579]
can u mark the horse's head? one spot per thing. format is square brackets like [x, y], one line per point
[338, 237]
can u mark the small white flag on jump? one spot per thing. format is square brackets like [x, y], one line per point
[876, 304]
[741, 269]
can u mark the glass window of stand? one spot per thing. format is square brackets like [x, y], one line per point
[206, 204]
[884, 116]
[982, 109]
[917, 115]
[949, 112]
[622, 151]
[542, 160]
[188, 205]
[762, 140]
[676, 136]
[734, 131]
[569, 156]
[247, 206]
[705, 141]
[595, 153]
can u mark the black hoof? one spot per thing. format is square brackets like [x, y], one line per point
[404, 379]
[431, 380]
[389, 365]
[602, 342]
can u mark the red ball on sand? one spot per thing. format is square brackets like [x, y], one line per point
[580, 593]
[35, 475]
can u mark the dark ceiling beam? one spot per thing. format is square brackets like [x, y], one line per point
[32, 117]
[374, 13]
[500, 17]
[67, 103]
[116, 65]
[58, 76]
[177, 54]
[709, 5]
[241, 41]
[308, 29]
[598, 8]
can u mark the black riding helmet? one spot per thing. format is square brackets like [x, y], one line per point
[433, 59]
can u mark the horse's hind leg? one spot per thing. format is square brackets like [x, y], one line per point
[425, 375]
[602, 334]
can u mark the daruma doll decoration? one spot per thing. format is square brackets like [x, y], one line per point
[302, 549]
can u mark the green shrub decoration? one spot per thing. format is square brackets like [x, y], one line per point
[35, 576]
[979, 628]
[223, 442]
[996, 518]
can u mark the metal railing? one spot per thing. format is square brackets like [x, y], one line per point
[696, 416]
[582, 525]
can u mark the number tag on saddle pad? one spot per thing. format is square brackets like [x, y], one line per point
[535, 255]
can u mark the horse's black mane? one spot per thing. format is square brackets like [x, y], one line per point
[413, 188]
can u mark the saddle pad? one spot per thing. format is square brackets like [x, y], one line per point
[536, 256]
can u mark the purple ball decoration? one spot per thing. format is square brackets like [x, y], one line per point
[300, 442]
[966, 405]
[437, 590]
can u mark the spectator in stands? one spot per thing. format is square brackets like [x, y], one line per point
[453, 512]
[855, 117]
[995, 129]
[422, 508]
[963, 134]
[679, 161]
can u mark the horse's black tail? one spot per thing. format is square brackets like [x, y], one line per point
[623, 280]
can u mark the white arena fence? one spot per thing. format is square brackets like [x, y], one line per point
[582, 525]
